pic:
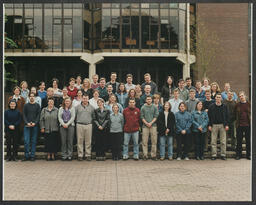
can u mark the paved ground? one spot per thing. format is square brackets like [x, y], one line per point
[129, 180]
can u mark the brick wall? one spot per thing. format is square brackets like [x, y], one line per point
[230, 22]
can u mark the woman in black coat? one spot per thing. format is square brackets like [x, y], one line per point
[167, 90]
[101, 120]
[12, 120]
[165, 128]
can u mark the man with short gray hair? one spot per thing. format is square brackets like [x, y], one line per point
[84, 113]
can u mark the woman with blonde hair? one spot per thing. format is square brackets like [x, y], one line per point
[86, 88]
[66, 118]
[24, 90]
[215, 89]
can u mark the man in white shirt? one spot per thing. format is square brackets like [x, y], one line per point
[129, 85]
[175, 101]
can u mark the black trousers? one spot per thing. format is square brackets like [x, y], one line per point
[199, 143]
[240, 133]
[12, 140]
[100, 142]
[51, 142]
[116, 140]
[182, 140]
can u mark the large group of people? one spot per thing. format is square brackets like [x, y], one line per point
[102, 116]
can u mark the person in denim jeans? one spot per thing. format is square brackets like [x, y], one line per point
[31, 115]
[165, 128]
[200, 124]
[131, 129]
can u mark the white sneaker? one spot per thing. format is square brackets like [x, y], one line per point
[178, 158]
[186, 158]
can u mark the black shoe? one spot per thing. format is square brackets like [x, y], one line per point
[213, 158]
[248, 157]
[88, 158]
[32, 159]
[202, 158]
[154, 158]
[145, 158]
[80, 159]
[9, 159]
[238, 157]
[15, 159]
[197, 158]
[25, 159]
[223, 158]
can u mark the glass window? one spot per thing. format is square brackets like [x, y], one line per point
[10, 22]
[182, 30]
[87, 20]
[153, 6]
[126, 23]
[18, 30]
[38, 26]
[173, 5]
[144, 6]
[77, 27]
[106, 29]
[182, 6]
[104, 5]
[57, 36]
[115, 27]
[135, 6]
[67, 30]
[134, 43]
[164, 23]
[174, 29]
[164, 6]
[145, 42]
[125, 6]
[154, 29]
[48, 27]
[115, 5]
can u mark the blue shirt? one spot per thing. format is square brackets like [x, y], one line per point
[42, 95]
[224, 96]
[183, 121]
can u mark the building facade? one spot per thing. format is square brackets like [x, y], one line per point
[66, 39]
[99, 38]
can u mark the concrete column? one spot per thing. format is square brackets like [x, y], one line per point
[186, 70]
[92, 70]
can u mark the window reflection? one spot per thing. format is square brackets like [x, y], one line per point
[96, 26]
[48, 25]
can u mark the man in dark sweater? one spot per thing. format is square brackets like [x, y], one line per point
[230, 103]
[152, 84]
[243, 121]
[31, 115]
[206, 104]
[218, 124]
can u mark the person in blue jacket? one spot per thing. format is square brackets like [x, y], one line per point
[199, 129]
[12, 120]
[183, 123]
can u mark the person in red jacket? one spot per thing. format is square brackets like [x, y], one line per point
[131, 129]
[72, 90]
